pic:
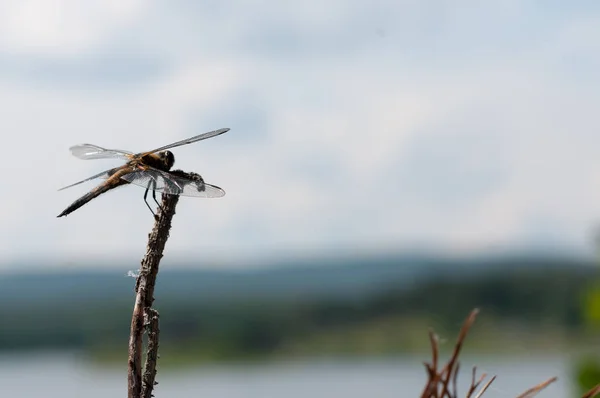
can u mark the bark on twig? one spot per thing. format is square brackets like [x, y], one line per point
[149, 377]
[143, 314]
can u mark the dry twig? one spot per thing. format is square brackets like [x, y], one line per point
[536, 389]
[439, 380]
[143, 314]
[485, 387]
[592, 393]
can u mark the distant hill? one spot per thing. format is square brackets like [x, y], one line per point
[309, 306]
[317, 278]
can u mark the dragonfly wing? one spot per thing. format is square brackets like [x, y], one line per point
[103, 175]
[196, 138]
[172, 184]
[90, 151]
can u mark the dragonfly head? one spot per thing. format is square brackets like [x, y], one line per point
[167, 158]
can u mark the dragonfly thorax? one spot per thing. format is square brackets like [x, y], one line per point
[163, 160]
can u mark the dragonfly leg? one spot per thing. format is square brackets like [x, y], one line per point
[145, 201]
[156, 201]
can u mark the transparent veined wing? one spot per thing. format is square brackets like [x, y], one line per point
[90, 151]
[172, 184]
[103, 175]
[196, 138]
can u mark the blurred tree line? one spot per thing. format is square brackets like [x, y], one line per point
[543, 301]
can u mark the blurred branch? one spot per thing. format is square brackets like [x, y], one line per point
[442, 383]
[592, 393]
[449, 368]
[534, 390]
[143, 314]
[438, 383]
[485, 386]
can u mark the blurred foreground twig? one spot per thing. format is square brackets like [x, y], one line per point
[442, 383]
[592, 393]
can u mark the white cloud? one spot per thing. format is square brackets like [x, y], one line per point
[352, 139]
[62, 27]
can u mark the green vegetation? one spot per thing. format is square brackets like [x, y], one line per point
[587, 373]
[526, 309]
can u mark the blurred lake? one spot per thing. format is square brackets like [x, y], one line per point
[60, 375]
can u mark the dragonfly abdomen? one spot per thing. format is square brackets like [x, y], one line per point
[99, 190]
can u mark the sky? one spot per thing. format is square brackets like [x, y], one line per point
[458, 126]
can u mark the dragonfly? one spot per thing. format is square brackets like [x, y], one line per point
[150, 170]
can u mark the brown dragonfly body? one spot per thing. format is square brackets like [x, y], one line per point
[147, 169]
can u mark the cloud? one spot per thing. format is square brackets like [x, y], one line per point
[392, 124]
[62, 27]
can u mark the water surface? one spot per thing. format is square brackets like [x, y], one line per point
[59, 375]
